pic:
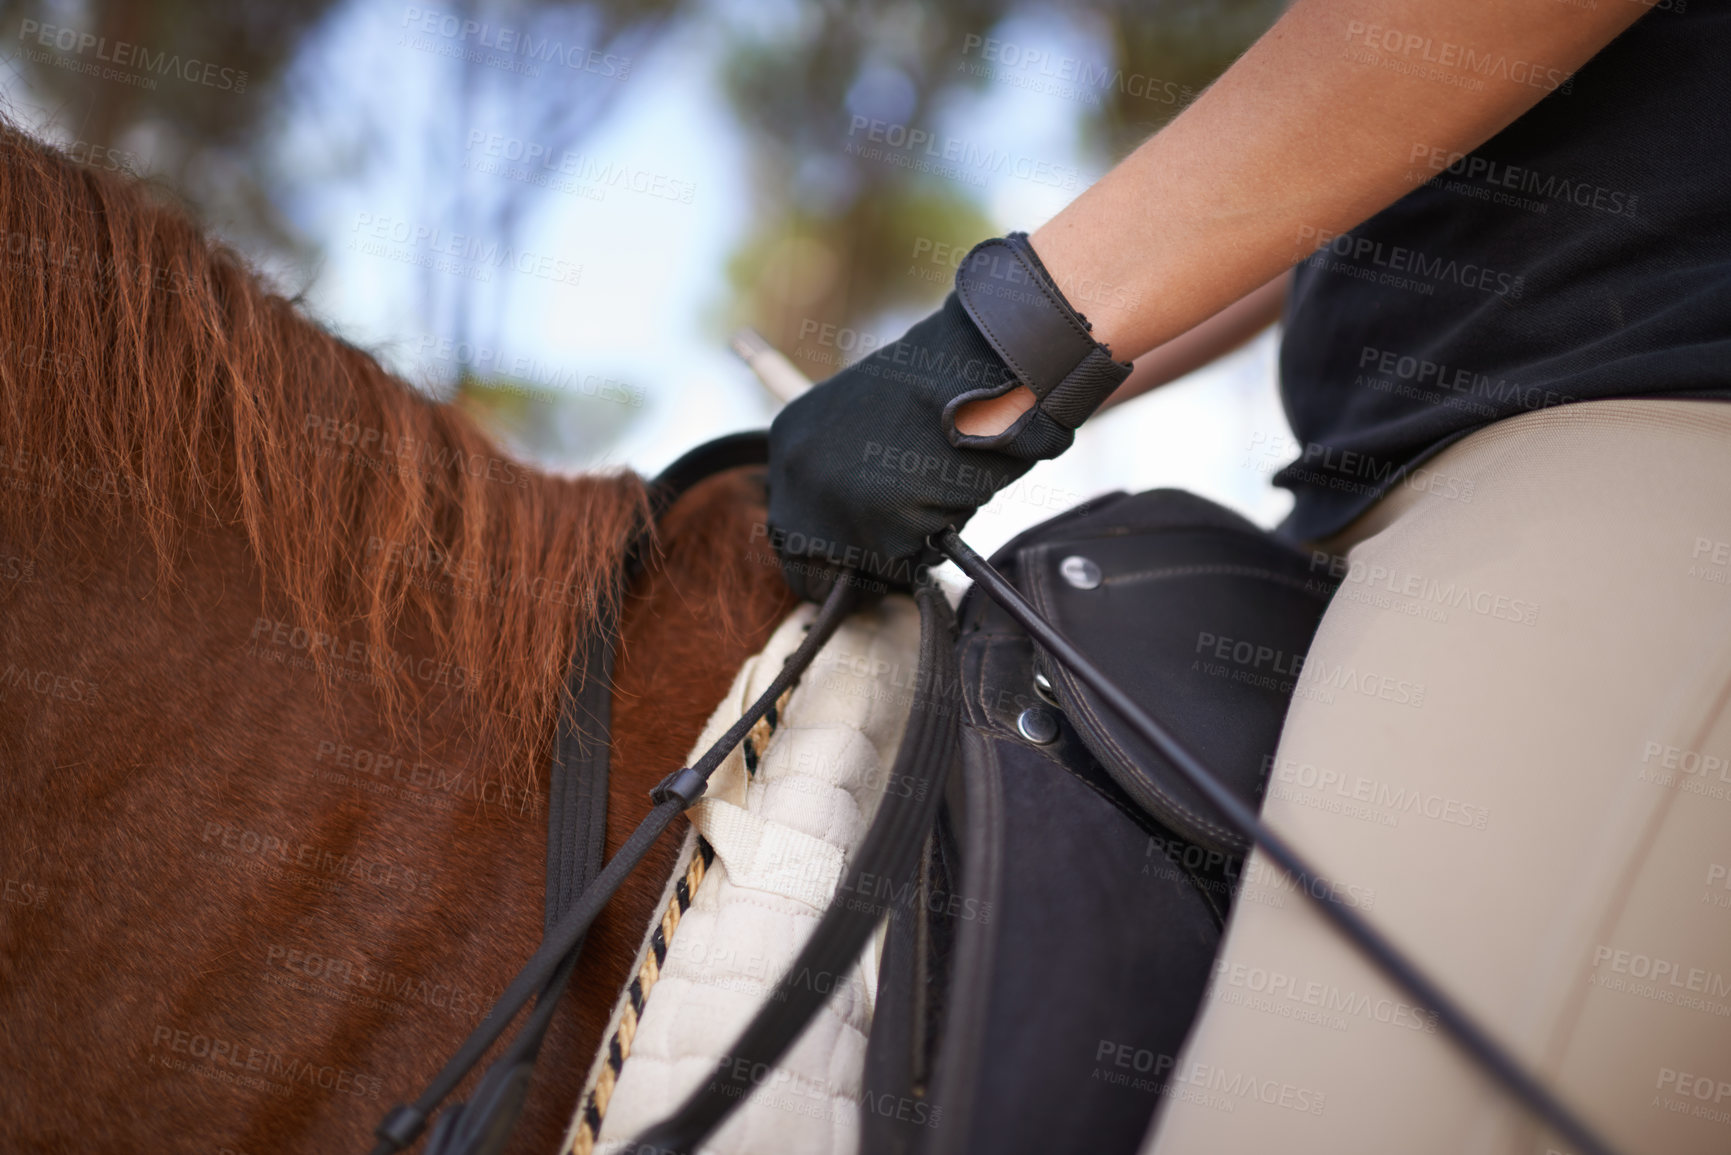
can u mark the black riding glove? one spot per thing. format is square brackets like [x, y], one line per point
[866, 465]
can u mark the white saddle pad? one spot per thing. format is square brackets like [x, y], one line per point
[782, 815]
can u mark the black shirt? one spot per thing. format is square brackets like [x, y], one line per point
[1584, 252]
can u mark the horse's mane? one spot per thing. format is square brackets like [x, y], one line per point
[149, 382]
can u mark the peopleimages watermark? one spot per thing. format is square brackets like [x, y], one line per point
[565, 170]
[1289, 996]
[1689, 770]
[1351, 470]
[1500, 181]
[120, 60]
[960, 478]
[1665, 980]
[1710, 561]
[762, 974]
[16, 567]
[1700, 1096]
[270, 1069]
[418, 780]
[388, 452]
[313, 971]
[1206, 1084]
[903, 687]
[1444, 61]
[459, 254]
[1255, 880]
[1421, 378]
[432, 566]
[935, 261]
[1286, 672]
[279, 853]
[59, 686]
[1360, 796]
[1397, 266]
[502, 46]
[25, 893]
[526, 374]
[952, 157]
[353, 660]
[1066, 77]
[803, 1095]
[23, 471]
[927, 367]
[87, 153]
[819, 557]
[837, 344]
[1718, 878]
[1376, 584]
[28, 254]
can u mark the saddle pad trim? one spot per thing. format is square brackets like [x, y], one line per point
[695, 857]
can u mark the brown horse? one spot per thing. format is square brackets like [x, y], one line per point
[282, 643]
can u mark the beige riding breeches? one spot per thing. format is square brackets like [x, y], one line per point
[1510, 747]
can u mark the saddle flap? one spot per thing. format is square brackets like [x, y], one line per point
[1199, 615]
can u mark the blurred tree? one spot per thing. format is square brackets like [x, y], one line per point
[190, 92]
[553, 113]
[844, 234]
[498, 99]
[188, 84]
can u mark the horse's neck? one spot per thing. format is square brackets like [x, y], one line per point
[115, 669]
[204, 818]
[224, 859]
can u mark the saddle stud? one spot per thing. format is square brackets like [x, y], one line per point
[1043, 687]
[1080, 572]
[1037, 725]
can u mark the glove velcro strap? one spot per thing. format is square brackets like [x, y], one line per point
[1014, 303]
[1074, 399]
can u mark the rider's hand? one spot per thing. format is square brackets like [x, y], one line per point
[863, 467]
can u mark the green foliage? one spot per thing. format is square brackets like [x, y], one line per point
[838, 235]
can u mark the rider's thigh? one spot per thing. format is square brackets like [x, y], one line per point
[1511, 748]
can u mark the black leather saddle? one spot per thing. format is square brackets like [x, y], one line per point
[1071, 898]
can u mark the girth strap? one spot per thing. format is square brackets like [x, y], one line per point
[577, 811]
[576, 844]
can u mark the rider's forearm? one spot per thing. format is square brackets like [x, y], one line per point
[1212, 339]
[1314, 129]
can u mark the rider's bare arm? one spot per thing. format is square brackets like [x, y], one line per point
[1321, 124]
[1208, 341]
